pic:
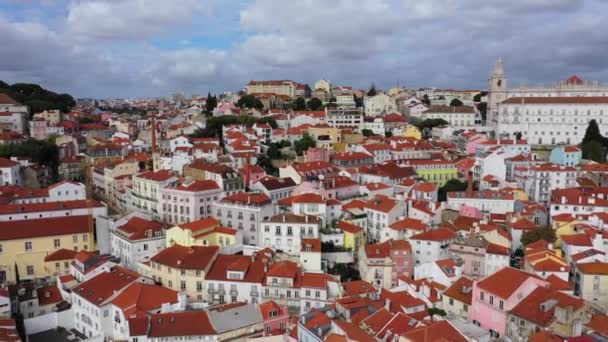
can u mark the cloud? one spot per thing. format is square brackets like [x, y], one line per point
[130, 19]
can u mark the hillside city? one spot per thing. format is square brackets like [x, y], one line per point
[287, 212]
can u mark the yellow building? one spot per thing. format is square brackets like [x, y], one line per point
[204, 232]
[25, 244]
[563, 224]
[353, 235]
[412, 131]
[183, 268]
[326, 137]
[58, 262]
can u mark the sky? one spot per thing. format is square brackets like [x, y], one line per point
[146, 48]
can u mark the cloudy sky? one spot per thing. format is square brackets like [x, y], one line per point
[138, 48]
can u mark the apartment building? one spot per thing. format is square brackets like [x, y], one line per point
[189, 200]
[244, 212]
[286, 231]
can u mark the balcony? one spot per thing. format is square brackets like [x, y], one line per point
[234, 292]
[212, 291]
[254, 293]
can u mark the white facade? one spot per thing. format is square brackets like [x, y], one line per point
[183, 203]
[10, 173]
[286, 231]
[146, 191]
[378, 105]
[344, 117]
[426, 251]
[246, 218]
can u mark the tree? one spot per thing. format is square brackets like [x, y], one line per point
[42, 152]
[250, 101]
[273, 151]
[85, 120]
[453, 185]
[265, 163]
[37, 98]
[299, 104]
[594, 150]
[302, 145]
[210, 105]
[367, 132]
[426, 100]
[593, 133]
[358, 101]
[372, 90]
[315, 104]
[545, 233]
[268, 120]
[456, 102]
[437, 311]
[477, 97]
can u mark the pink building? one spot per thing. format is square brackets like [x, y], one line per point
[276, 318]
[255, 173]
[317, 154]
[495, 295]
[469, 211]
[472, 143]
[335, 187]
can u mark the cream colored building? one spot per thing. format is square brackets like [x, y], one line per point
[25, 244]
[205, 232]
[146, 191]
[323, 84]
[591, 283]
[53, 116]
[182, 269]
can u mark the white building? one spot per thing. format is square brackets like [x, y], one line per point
[12, 114]
[318, 291]
[188, 201]
[136, 240]
[245, 212]
[10, 172]
[344, 117]
[551, 120]
[146, 191]
[286, 231]
[431, 245]
[382, 211]
[456, 116]
[275, 188]
[544, 178]
[379, 104]
[235, 278]
[498, 91]
[494, 202]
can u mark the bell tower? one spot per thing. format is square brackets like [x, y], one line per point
[497, 92]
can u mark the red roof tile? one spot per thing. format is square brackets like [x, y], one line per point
[60, 255]
[185, 323]
[103, 286]
[504, 282]
[194, 257]
[139, 298]
[51, 226]
[441, 234]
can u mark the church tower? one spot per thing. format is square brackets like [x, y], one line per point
[497, 92]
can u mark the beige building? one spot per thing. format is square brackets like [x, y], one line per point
[182, 269]
[591, 283]
[279, 87]
[457, 298]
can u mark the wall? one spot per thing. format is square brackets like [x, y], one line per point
[49, 321]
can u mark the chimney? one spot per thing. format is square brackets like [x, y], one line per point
[387, 304]
[153, 137]
[469, 183]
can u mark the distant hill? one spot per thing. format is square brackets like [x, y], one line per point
[37, 98]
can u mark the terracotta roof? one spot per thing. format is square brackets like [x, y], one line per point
[316, 280]
[308, 197]
[253, 269]
[558, 284]
[158, 176]
[60, 255]
[103, 286]
[381, 203]
[383, 249]
[255, 199]
[203, 223]
[274, 183]
[357, 287]
[137, 228]
[311, 245]
[48, 206]
[197, 185]
[194, 257]
[595, 267]
[349, 227]
[40, 227]
[530, 308]
[497, 249]
[284, 269]
[353, 332]
[436, 332]
[557, 99]
[577, 240]
[409, 223]
[5, 99]
[599, 324]
[376, 321]
[7, 163]
[293, 218]
[441, 234]
[49, 295]
[504, 282]
[184, 323]
[139, 298]
[461, 290]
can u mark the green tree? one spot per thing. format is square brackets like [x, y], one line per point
[86, 120]
[41, 152]
[456, 102]
[302, 145]
[299, 104]
[250, 101]
[367, 132]
[268, 120]
[437, 311]
[315, 104]
[265, 163]
[453, 185]
[37, 98]
[544, 233]
[594, 150]
[273, 151]
[372, 90]
[426, 100]
[593, 133]
[358, 101]
[210, 105]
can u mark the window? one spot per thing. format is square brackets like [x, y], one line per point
[30, 270]
[501, 305]
[451, 302]
[75, 238]
[481, 295]
[28, 246]
[85, 238]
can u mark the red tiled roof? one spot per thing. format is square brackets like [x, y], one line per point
[349, 227]
[137, 228]
[409, 223]
[440, 234]
[577, 240]
[595, 267]
[256, 199]
[7, 163]
[461, 290]
[497, 249]
[436, 332]
[139, 298]
[558, 284]
[103, 286]
[158, 176]
[530, 309]
[357, 287]
[316, 280]
[283, 269]
[60, 255]
[253, 270]
[599, 324]
[311, 245]
[376, 321]
[204, 223]
[184, 323]
[381, 203]
[198, 185]
[48, 206]
[504, 282]
[49, 295]
[194, 257]
[51, 226]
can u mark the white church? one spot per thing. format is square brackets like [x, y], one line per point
[557, 114]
